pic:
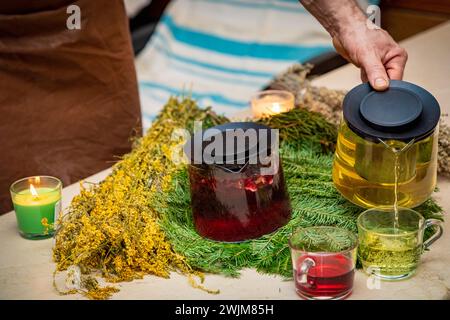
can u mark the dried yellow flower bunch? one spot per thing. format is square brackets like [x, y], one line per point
[113, 227]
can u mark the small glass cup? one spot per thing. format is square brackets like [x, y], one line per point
[323, 261]
[390, 245]
[271, 102]
[37, 203]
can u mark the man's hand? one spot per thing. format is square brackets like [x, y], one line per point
[371, 49]
[374, 51]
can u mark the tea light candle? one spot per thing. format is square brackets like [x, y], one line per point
[270, 102]
[37, 203]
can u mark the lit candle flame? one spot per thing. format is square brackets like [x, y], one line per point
[37, 180]
[33, 190]
[276, 107]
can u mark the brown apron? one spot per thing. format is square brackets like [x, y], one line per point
[68, 98]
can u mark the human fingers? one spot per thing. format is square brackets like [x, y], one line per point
[375, 70]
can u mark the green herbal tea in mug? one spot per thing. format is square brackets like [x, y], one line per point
[392, 255]
[390, 244]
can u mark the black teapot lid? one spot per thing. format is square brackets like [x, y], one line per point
[403, 112]
[196, 147]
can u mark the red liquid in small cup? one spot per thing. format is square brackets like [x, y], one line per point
[332, 276]
[238, 206]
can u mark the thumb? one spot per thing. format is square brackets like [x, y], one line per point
[375, 71]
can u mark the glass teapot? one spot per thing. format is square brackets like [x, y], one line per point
[386, 151]
[237, 191]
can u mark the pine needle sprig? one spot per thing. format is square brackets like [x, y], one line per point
[299, 126]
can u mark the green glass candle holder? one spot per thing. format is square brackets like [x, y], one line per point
[37, 203]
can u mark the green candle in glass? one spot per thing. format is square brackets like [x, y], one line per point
[37, 203]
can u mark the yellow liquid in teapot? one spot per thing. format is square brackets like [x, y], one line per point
[371, 174]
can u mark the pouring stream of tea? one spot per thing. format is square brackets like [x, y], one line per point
[397, 152]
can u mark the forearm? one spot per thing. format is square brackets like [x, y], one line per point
[337, 16]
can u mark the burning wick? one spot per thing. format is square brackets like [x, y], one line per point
[33, 191]
[276, 107]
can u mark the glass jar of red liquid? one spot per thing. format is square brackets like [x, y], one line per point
[323, 261]
[237, 184]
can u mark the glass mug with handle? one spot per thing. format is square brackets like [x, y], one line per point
[390, 244]
[323, 260]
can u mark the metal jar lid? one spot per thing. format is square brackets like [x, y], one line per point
[403, 112]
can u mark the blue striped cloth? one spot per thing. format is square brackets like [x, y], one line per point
[223, 51]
